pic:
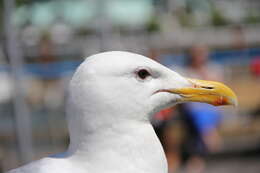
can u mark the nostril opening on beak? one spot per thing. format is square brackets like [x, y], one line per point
[207, 87]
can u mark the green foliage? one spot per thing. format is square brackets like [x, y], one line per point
[22, 2]
[252, 19]
[185, 19]
[218, 19]
[153, 25]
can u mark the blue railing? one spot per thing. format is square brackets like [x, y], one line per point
[63, 68]
[47, 70]
[226, 57]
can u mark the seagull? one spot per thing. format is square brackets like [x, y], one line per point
[112, 97]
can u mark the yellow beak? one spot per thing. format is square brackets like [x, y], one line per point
[211, 92]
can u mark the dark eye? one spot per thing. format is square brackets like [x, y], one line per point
[143, 73]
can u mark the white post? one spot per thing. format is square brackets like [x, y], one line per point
[104, 26]
[22, 117]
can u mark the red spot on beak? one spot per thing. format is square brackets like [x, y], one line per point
[221, 101]
[195, 86]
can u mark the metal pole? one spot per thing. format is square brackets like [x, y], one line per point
[22, 117]
[104, 26]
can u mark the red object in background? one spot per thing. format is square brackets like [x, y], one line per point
[255, 66]
[164, 114]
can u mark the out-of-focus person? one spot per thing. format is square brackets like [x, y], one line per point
[200, 120]
[255, 72]
[188, 132]
[198, 64]
[168, 129]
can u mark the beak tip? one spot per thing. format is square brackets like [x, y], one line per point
[235, 103]
[214, 93]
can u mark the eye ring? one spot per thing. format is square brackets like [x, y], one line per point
[143, 74]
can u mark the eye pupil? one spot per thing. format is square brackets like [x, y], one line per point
[143, 73]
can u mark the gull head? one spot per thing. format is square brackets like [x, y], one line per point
[118, 86]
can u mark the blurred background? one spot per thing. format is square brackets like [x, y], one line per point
[43, 41]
